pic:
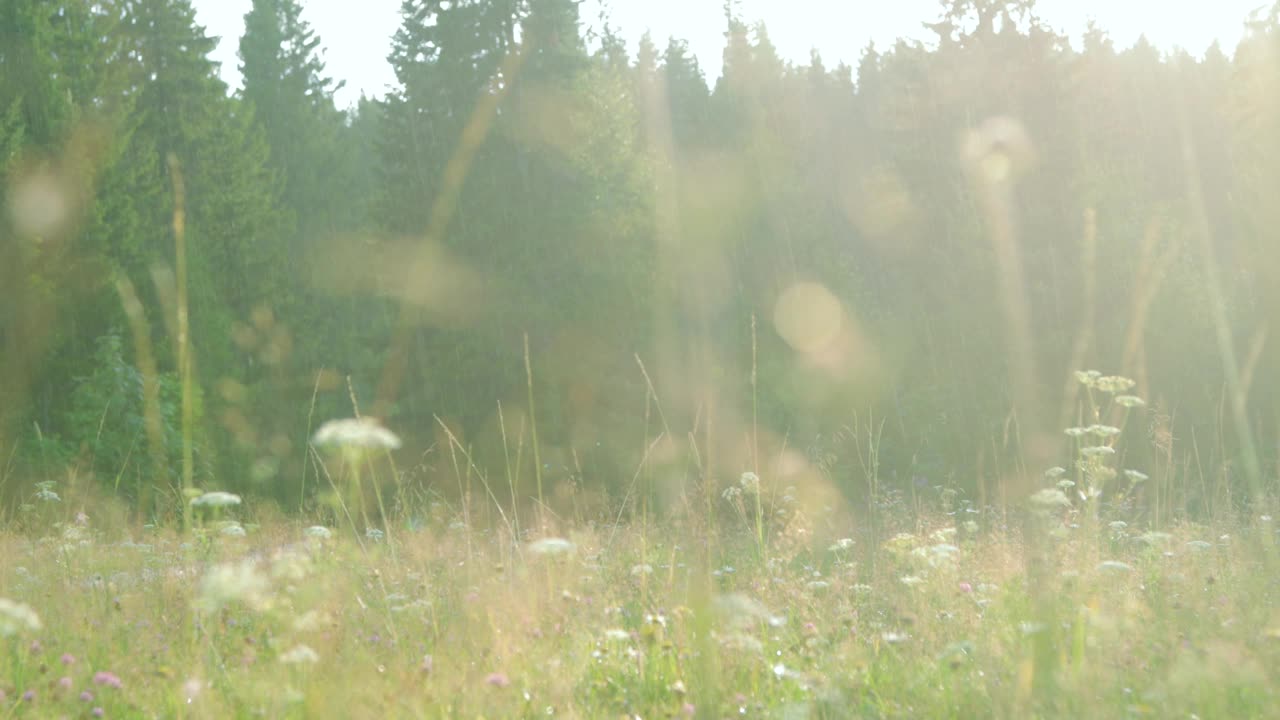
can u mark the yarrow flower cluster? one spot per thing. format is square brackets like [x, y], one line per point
[16, 617]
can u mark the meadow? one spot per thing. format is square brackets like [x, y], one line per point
[766, 605]
[757, 391]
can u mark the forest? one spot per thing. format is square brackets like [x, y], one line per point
[924, 247]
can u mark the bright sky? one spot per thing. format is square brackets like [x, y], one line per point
[357, 34]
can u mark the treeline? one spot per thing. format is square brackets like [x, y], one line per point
[798, 261]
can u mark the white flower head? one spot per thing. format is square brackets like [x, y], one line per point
[1113, 566]
[215, 499]
[1050, 499]
[232, 530]
[318, 531]
[1097, 451]
[232, 583]
[1114, 384]
[363, 432]
[300, 654]
[17, 617]
[1135, 476]
[1103, 431]
[841, 544]
[552, 546]
[1130, 401]
[750, 482]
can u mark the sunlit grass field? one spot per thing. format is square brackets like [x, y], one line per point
[779, 611]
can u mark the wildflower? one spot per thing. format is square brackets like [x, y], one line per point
[1103, 431]
[1097, 451]
[1049, 499]
[818, 585]
[1065, 484]
[552, 546]
[642, 569]
[86, 696]
[1088, 378]
[230, 583]
[942, 553]
[1130, 401]
[1135, 476]
[97, 712]
[1054, 473]
[966, 587]
[779, 671]
[616, 634]
[750, 483]
[232, 530]
[109, 679]
[1118, 525]
[1076, 432]
[17, 617]
[299, 655]
[374, 534]
[1113, 384]
[365, 433]
[1113, 566]
[47, 496]
[64, 683]
[215, 499]
[191, 688]
[894, 638]
[911, 580]
[68, 659]
[29, 696]
[1199, 546]
[497, 679]
[841, 544]
[318, 531]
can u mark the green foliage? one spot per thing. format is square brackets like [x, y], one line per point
[107, 422]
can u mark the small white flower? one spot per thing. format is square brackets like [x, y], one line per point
[216, 499]
[911, 580]
[750, 482]
[361, 432]
[1050, 499]
[17, 617]
[234, 583]
[641, 569]
[818, 585]
[617, 635]
[552, 546]
[1103, 431]
[1088, 377]
[318, 531]
[374, 534]
[1076, 432]
[1135, 476]
[1114, 384]
[1130, 401]
[841, 544]
[1055, 472]
[232, 530]
[1113, 566]
[1097, 451]
[46, 495]
[300, 654]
